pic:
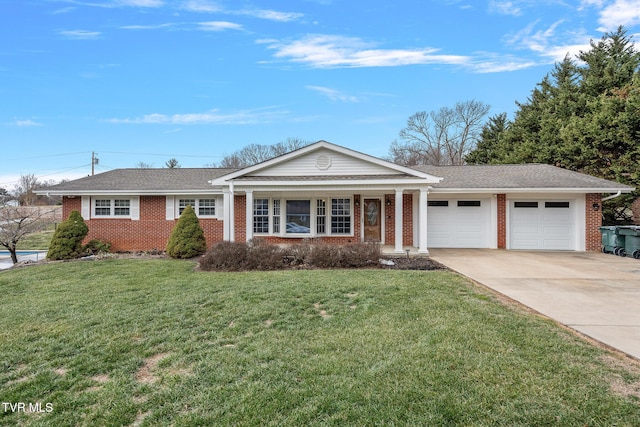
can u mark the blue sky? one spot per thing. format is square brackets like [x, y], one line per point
[147, 80]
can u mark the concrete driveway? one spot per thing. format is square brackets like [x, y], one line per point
[595, 294]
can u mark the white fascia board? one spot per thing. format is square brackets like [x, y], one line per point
[324, 144]
[333, 183]
[129, 192]
[528, 190]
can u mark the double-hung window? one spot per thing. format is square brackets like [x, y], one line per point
[340, 216]
[111, 208]
[202, 207]
[261, 215]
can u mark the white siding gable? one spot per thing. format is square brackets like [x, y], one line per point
[325, 162]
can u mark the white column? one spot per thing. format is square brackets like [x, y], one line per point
[249, 215]
[399, 211]
[227, 215]
[228, 233]
[422, 222]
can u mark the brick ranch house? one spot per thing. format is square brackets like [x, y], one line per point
[331, 192]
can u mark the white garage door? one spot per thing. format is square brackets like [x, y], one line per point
[542, 225]
[458, 223]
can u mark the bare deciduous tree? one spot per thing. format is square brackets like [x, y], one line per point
[256, 153]
[19, 221]
[440, 137]
[172, 163]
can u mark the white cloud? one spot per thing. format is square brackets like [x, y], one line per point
[621, 12]
[547, 44]
[272, 15]
[333, 94]
[119, 3]
[205, 6]
[505, 8]
[328, 51]
[243, 117]
[147, 27]
[140, 3]
[80, 34]
[501, 65]
[26, 123]
[219, 26]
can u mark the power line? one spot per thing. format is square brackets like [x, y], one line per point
[158, 154]
[47, 156]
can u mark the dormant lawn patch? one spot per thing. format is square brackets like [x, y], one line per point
[153, 342]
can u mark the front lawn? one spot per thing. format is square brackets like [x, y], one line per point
[151, 342]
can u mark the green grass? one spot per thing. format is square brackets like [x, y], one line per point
[151, 342]
[36, 241]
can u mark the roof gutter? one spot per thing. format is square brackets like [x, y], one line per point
[612, 197]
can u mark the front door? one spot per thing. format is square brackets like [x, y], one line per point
[372, 220]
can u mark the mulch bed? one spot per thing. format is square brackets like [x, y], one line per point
[412, 263]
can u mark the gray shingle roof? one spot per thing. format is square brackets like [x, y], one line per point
[141, 180]
[531, 176]
[515, 176]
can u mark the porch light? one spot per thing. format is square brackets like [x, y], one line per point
[595, 206]
[356, 200]
[388, 200]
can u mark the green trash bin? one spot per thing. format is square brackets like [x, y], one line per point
[612, 241]
[631, 240]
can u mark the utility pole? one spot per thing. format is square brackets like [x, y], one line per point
[94, 161]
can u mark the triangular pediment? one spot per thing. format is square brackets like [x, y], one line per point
[329, 160]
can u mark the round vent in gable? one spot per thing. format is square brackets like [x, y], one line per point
[323, 162]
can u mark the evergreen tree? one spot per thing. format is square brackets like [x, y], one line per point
[66, 242]
[187, 237]
[490, 141]
[584, 118]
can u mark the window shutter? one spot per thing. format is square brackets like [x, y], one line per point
[135, 208]
[170, 212]
[85, 207]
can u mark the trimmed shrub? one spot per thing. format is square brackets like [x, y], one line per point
[260, 255]
[66, 242]
[264, 256]
[187, 237]
[95, 246]
[225, 256]
[240, 256]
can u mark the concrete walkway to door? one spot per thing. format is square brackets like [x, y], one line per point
[595, 294]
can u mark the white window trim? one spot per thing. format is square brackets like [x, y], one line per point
[196, 208]
[133, 207]
[312, 221]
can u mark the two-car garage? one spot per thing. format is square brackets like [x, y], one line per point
[531, 224]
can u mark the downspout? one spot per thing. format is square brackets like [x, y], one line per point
[612, 197]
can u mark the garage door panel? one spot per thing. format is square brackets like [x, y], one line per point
[542, 225]
[454, 226]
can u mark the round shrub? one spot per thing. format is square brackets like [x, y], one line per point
[187, 238]
[66, 242]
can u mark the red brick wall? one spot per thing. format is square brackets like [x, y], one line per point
[502, 221]
[407, 220]
[593, 220]
[635, 208]
[150, 232]
[240, 218]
